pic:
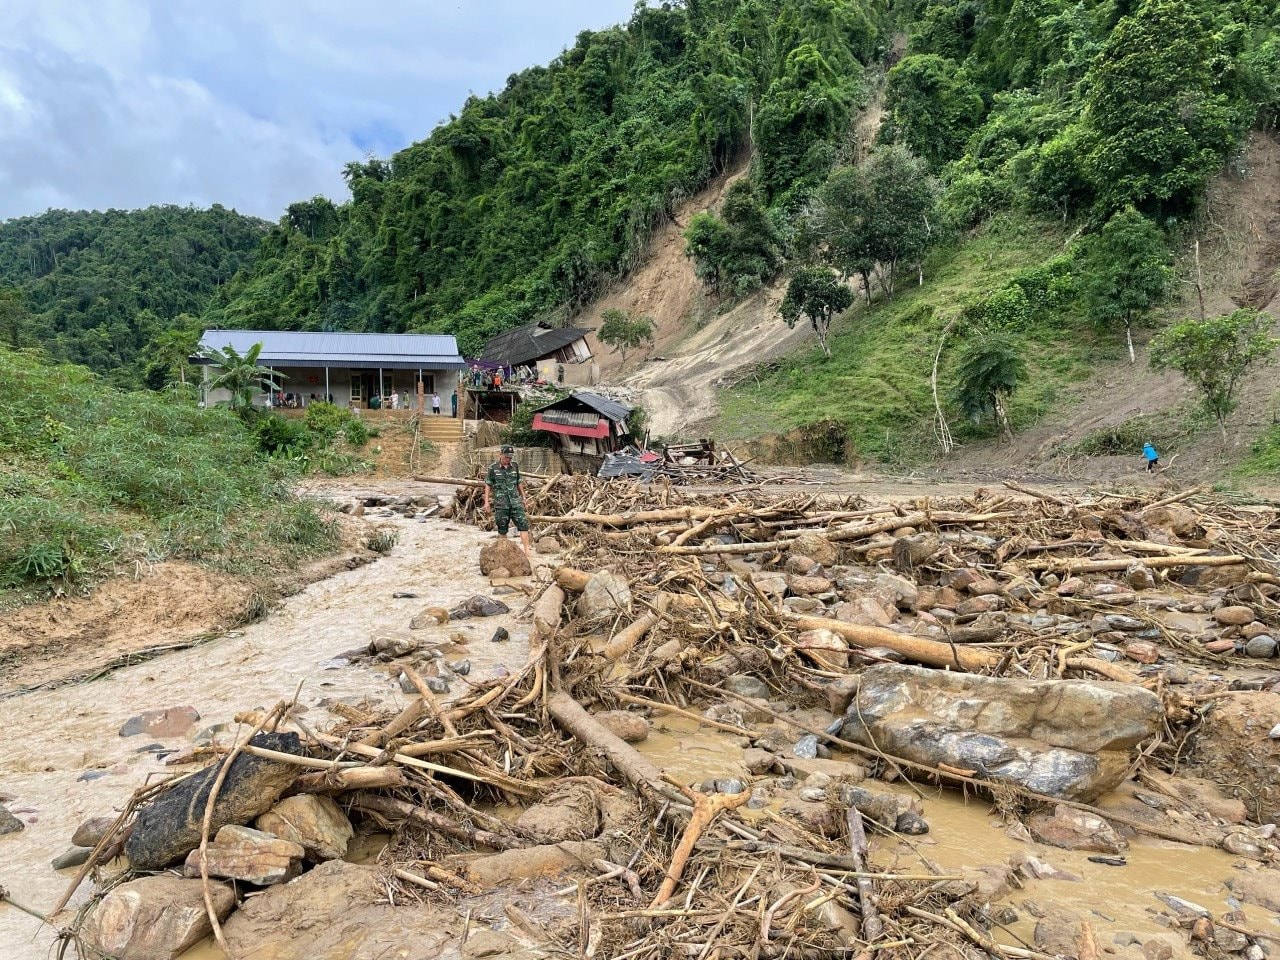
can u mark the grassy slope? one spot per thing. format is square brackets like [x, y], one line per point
[96, 481]
[876, 382]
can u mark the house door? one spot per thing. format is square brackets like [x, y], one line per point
[363, 386]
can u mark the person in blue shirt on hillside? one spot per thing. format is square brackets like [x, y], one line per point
[1153, 458]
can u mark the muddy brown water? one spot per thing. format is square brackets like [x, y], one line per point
[964, 833]
[53, 738]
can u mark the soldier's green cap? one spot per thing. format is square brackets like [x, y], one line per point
[508, 449]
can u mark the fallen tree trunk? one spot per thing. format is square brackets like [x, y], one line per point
[638, 770]
[546, 613]
[630, 519]
[872, 925]
[399, 809]
[405, 719]
[623, 641]
[936, 653]
[1105, 566]
[570, 579]
[352, 778]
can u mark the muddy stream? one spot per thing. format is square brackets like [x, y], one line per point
[62, 759]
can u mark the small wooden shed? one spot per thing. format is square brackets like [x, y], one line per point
[585, 427]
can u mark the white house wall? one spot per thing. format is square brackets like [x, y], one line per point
[309, 381]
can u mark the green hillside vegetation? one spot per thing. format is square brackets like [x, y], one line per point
[99, 288]
[875, 386]
[97, 481]
[1040, 164]
[530, 201]
[1071, 144]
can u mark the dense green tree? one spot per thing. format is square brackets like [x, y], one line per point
[798, 118]
[1124, 272]
[169, 353]
[706, 243]
[97, 286]
[989, 371]
[1261, 82]
[904, 212]
[1156, 126]
[1214, 354]
[15, 320]
[933, 107]
[739, 250]
[818, 295]
[624, 331]
[843, 222]
[881, 213]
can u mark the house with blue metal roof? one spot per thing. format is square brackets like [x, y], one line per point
[350, 369]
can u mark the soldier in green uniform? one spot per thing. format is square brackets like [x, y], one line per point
[504, 492]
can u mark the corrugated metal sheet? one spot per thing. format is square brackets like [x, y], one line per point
[615, 411]
[626, 465]
[291, 348]
[529, 342]
[571, 418]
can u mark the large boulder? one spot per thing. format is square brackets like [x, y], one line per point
[155, 918]
[572, 812]
[606, 595]
[1070, 739]
[815, 546]
[166, 722]
[504, 554]
[544, 860]
[1073, 829]
[168, 828]
[316, 823]
[8, 822]
[1261, 887]
[626, 725]
[239, 853]
[333, 913]
[1234, 749]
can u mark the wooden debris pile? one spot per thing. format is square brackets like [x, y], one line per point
[664, 597]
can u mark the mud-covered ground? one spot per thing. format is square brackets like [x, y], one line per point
[62, 759]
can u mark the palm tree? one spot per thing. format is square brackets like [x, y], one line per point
[240, 374]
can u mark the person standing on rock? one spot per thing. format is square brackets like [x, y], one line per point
[504, 493]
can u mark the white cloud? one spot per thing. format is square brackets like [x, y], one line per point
[124, 103]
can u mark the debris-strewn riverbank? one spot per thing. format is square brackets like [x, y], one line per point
[717, 725]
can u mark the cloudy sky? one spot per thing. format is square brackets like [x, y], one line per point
[248, 103]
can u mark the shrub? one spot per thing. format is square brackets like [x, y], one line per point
[327, 418]
[93, 478]
[356, 433]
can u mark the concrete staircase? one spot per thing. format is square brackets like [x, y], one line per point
[440, 430]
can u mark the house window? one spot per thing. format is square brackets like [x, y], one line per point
[357, 388]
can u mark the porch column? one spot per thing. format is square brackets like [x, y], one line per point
[326, 384]
[379, 388]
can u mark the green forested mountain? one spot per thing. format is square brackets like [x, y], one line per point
[531, 199]
[95, 287]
